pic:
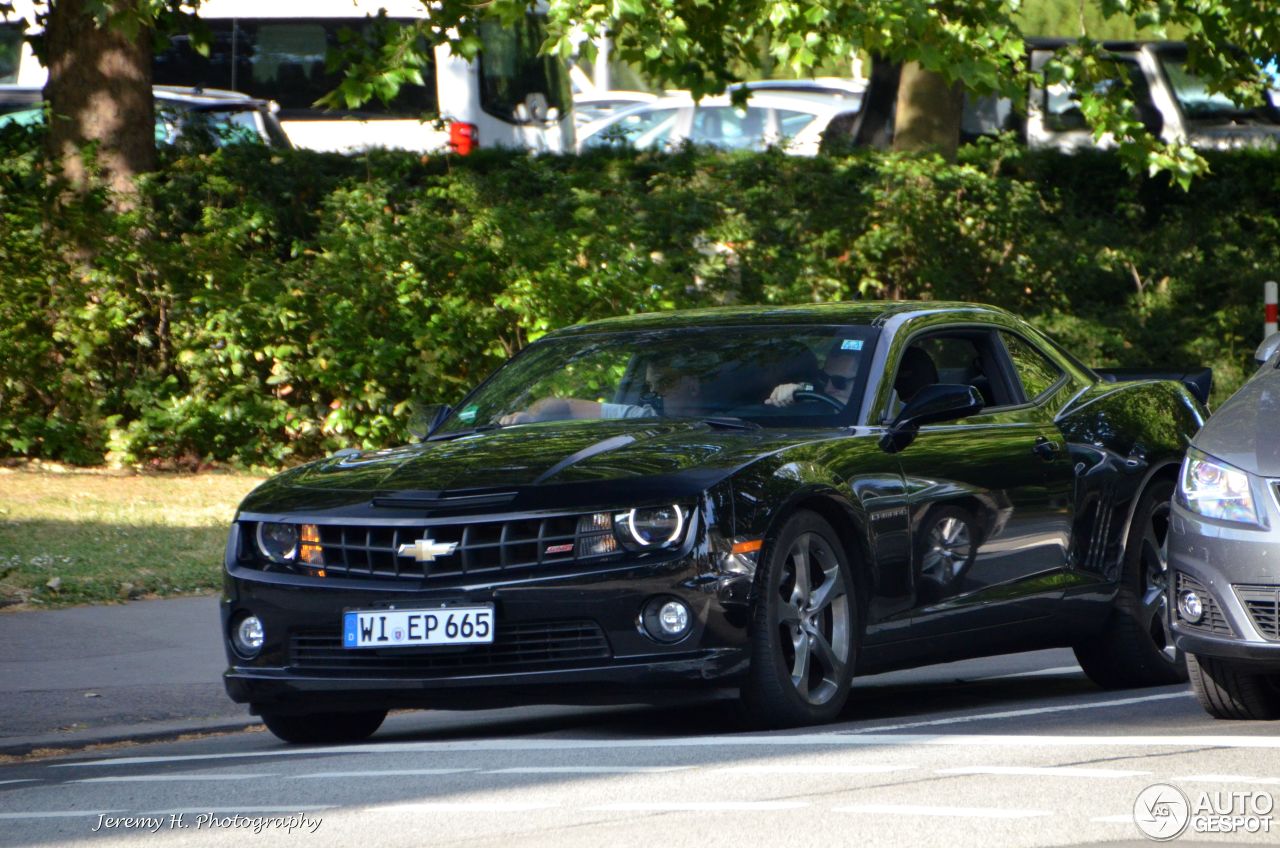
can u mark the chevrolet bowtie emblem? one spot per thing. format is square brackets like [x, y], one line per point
[426, 550]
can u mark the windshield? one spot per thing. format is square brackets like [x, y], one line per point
[1197, 102]
[771, 376]
[10, 51]
[512, 71]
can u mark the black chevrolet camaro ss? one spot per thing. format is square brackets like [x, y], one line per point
[767, 500]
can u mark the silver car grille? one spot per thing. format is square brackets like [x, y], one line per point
[1262, 603]
[1213, 621]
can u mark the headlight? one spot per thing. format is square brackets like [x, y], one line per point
[278, 542]
[1216, 490]
[652, 527]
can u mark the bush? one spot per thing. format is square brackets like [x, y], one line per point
[263, 307]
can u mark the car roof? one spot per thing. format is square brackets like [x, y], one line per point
[866, 312]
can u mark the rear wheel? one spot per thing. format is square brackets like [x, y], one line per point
[804, 631]
[1136, 648]
[1228, 690]
[324, 727]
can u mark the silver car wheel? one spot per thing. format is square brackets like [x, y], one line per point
[814, 619]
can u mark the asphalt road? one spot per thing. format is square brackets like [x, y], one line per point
[1002, 752]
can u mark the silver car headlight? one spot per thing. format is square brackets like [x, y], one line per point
[1216, 490]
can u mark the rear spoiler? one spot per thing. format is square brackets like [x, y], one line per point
[1199, 383]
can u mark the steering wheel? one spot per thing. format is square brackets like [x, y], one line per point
[804, 394]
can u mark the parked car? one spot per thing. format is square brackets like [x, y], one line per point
[762, 499]
[793, 120]
[1172, 102]
[1224, 551]
[597, 105]
[220, 117]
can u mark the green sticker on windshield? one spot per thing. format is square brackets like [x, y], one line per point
[466, 416]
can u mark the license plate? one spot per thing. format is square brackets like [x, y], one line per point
[415, 628]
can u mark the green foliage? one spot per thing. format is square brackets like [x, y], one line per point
[702, 44]
[263, 307]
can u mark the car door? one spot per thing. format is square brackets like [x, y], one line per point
[989, 496]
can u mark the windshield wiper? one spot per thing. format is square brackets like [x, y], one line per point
[481, 428]
[729, 422]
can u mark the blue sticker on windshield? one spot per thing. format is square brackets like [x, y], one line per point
[851, 344]
[466, 416]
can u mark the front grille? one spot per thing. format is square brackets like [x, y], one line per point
[1214, 621]
[1263, 605]
[483, 548]
[516, 647]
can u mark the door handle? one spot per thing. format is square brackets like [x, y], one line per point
[1045, 448]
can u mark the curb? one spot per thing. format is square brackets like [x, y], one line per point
[158, 731]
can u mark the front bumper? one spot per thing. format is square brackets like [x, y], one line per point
[563, 639]
[1237, 570]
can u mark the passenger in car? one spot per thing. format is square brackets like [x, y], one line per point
[675, 392]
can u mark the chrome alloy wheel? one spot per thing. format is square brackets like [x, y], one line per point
[950, 548]
[1154, 568]
[814, 619]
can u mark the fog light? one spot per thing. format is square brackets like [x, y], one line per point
[666, 619]
[247, 636]
[1190, 607]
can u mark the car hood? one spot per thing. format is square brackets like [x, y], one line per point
[577, 457]
[1243, 431]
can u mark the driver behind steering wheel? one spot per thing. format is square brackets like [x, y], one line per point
[835, 380]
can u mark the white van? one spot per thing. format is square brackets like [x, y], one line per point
[509, 96]
[1172, 102]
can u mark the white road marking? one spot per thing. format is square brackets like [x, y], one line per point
[167, 778]
[1044, 771]
[588, 770]
[724, 743]
[1031, 711]
[943, 812]
[1042, 672]
[810, 769]
[58, 814]
[696, 806]
[1229, 778]
[320, 775]
[463, 807]
[24, 780]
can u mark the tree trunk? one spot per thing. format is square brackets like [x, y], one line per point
[99, 93]
[928, 112]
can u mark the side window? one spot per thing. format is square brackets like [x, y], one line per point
[727, 127]
[1036, 372]
[966, 358]
[1062, 107]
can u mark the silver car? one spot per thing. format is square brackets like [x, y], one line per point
[1224, 551]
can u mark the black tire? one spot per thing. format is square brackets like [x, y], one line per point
[804, 631]
[1227, 690]
[1136, 647]
[325, 728]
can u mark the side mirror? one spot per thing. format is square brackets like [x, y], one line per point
[932, 404]
[1267, 349]
[425, 418]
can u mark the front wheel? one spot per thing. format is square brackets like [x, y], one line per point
[804, 628]
[1227, 690]
[1137, 648]
[326, 728]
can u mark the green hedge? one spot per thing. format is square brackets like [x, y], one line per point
[263, 308]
